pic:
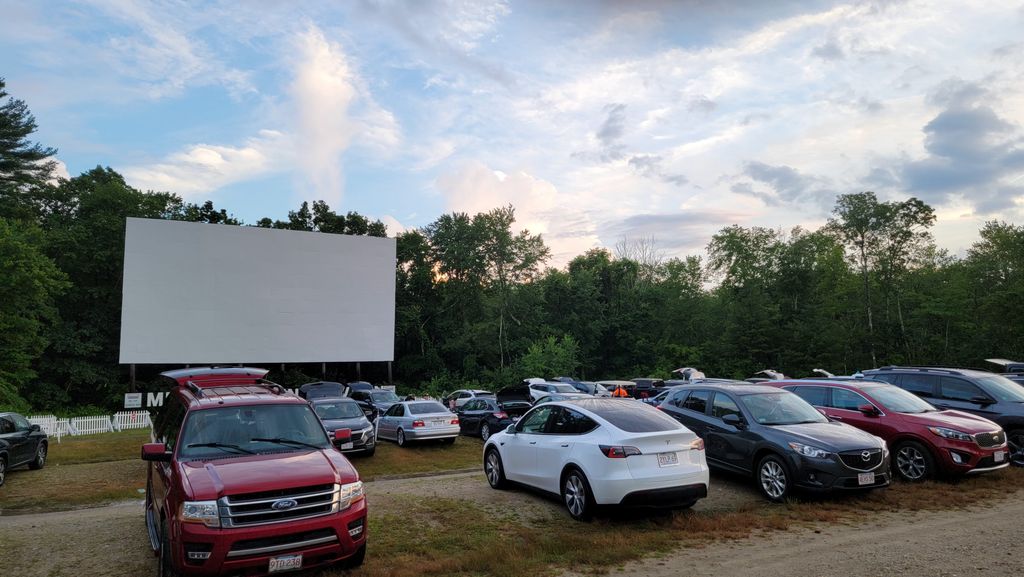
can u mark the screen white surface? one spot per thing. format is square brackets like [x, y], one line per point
[200, 293]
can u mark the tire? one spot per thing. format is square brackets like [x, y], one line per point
[165, 565]
[485, 431]
[40, 461]
[400, 438]
[576, 495]
[355, 560]
[3, 471]
[773, 478]
[914, 463]
[1015, 444]
[369, 452]
[494, 469]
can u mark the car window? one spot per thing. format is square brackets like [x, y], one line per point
[338, 410]
[252, 428]
[697, 401]
[359, 395]
[536, 420]
[634, 417]
[569, 422]
[384, 397]
[817, 396]
[171, 426]
[723, 406]
[475, 405]
[1002, 388]
[918, 383]
[6, 426]
[426, 408]
[676, 400]
[21, 423]
[958, 389]
[847, 400]
[465, 395]
[395, 411]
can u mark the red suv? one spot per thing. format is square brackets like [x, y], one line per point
[922, 439]
[244, 480]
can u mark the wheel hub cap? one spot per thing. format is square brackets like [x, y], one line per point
[575, 495]
[773, 479]
[911, 463]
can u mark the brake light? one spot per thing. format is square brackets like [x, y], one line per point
[455, 421]
[500, 415]
[658, 407]
[418, 424]
[618, 452]
[697, 444]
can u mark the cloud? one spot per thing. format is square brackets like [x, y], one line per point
[786, 185]
[830, 50]
[677, 231]
[649, 165]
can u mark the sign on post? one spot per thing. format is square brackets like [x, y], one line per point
[133, 400]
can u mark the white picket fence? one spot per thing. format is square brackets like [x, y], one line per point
[91, 425]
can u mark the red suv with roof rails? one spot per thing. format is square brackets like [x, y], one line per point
[922, 439]
[243, 480]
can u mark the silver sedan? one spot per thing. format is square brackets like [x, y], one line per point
[417, 421]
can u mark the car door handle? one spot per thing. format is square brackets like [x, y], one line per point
[533, 442]
[565, 444]
[835, 417]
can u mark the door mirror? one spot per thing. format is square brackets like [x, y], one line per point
[155, 452]
[869, 410]
[983, 401]
[733, 420]
[511, 429]
[35, 429]
[343, 435]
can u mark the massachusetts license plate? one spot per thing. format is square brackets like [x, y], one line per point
[285, 563]
[345, 446]
[866, 479]
[437, 422]
[999, 456]
[667, 459]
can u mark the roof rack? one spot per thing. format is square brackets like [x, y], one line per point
[945, 370]
[196, 389]
[270, 386]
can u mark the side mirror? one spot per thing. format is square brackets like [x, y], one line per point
[511, 429]
[983, 401]
[869, 410]
[733, 420]
[34, 428]
[155, 452]
[343, 435]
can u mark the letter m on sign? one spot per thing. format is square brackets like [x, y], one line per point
[155, 399]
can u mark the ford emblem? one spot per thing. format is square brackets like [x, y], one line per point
[283, 504]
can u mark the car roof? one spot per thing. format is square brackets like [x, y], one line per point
[193, 373]
[332, 400]
[842, 383]
[738, 388]
[624, 383]
[479, 391]
[233, 395]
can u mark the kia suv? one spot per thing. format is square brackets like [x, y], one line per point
[779, 439]
[923, 440]
[981, 393]
[243, 479]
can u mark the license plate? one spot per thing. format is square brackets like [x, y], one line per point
[438, 422]
[866, 479]
[346, 446]
[999, 456]
[667, 459]
[285, 563]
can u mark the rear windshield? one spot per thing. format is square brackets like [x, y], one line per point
[426, 408]
[564, 388]
[635, 417]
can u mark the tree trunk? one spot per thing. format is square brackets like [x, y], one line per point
[867, 302]
[903, 327]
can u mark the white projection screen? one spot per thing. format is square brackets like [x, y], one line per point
[198, 293]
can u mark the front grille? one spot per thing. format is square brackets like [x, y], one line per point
[855, 459]
[282, 542]
[995, 439]
[258, 508]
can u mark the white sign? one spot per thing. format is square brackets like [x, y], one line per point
[133, 400]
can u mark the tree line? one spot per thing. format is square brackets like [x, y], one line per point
[478, 305]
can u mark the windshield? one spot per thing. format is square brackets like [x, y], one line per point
[338, 410]
[898, 400]
[1002, 388]
[384, 397]
[229, 431]
[781, 408]
[426, 408]
[565, 389]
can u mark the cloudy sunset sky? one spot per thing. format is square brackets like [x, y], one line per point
[596, 120]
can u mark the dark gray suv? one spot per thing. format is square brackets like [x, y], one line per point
[978, 392]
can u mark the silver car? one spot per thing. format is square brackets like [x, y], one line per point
[417, 421]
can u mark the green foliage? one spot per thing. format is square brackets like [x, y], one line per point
[551, 357]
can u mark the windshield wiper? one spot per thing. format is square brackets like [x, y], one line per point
[222, 446]
[283, 441]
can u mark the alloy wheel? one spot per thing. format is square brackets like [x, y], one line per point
[575, 495]
[1015, 442]
[3, 471]
[492, 467]
[485, 431]
[773, 479]
[911, 463]
[41, 455]
[401, 438]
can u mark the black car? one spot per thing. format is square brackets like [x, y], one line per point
[340, 413]
[21, 443]
[646, 388]
[484, 415]
[979, 392]
[379, 399]
[779, 438]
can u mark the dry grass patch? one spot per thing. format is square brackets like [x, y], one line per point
[97, 448]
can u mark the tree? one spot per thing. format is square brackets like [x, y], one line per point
[29, 285]
[551, 357]
[25, 166]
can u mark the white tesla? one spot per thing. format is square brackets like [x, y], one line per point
[596, 451]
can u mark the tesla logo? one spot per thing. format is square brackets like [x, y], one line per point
[866, 455]
[284, 504]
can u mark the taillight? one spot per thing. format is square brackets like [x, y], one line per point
[658, 407]
[697, 444]
[455, 421]
[618, 452]
[500, 415]
[417, 424]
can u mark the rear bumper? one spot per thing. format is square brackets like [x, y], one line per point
[247, 551]
[614, 486]
[667, 497]
[424, 433]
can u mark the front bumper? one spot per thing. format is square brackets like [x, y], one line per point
[972, 458]
[831, 474]
[362, 441]
[247, 551]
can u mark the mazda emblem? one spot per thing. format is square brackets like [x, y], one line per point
[283, 504]
[866, 455]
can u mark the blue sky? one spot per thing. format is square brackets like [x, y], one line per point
[598, 120]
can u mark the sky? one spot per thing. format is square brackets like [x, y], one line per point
[599, 121]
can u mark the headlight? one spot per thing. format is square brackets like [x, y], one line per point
[204, 512]
[809, 451]
[951, 434]
[351, 493]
